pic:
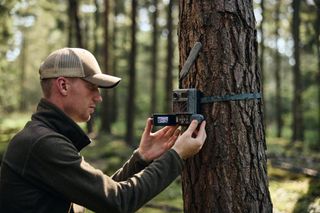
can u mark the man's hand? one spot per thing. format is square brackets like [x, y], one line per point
[187, 145]
[153, 145]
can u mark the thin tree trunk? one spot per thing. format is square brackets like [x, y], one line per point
[90, 123]
[132, 77]
[154, 68]
[71, 24]
[114, 62]
[297, 121]
[106, 111]
[277, 58]
[230, 172]
[318, 53]
[170, 55]
[75, 23]
[97, 23]
[23, 59]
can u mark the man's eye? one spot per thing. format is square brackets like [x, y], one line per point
[93, 88]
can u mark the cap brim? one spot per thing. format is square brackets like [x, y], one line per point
[103, 80]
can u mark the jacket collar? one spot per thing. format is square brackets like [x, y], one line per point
[57, 120]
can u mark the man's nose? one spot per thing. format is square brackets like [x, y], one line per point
[98, 97]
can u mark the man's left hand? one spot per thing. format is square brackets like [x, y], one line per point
[153, 145]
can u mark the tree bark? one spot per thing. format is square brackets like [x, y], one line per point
[297, 121]
[230, 172]
[90, 123]
[22, 83]
[154, 59]
[106, 111]
[74, 24]
[115, 61]
[262, 49]
[277, 59]
[170, 55]
[132, 77]
[318, 53]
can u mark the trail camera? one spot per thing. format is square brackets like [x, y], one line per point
[185, 102]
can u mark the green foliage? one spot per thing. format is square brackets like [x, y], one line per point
[9, 126]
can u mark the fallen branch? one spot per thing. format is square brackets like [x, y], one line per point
[295, 169]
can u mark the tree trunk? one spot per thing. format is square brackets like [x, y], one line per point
[230, 172]
[74, 22]
[75, 28]
[71, 24]
[132, 77]
[106, 110]
[318, 53]
[90, 123]
[115, 62]
[96, 27]
[277, 59]
[261, 60]
[170, 55]
[154, 59]
[297, 121]
[22, 83]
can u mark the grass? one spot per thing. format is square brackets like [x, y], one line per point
[286, 189]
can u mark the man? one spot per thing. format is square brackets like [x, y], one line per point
[42, 170]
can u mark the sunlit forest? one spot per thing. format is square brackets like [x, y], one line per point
[137, 41]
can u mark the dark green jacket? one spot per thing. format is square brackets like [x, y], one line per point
[43, 171]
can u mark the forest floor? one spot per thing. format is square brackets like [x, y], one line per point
[294, 180]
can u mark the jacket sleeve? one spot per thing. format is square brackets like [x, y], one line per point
[134, 165]
[56, 165]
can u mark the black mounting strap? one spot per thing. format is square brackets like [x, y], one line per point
[244, 96]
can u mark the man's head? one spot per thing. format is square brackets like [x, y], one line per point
[70, 78]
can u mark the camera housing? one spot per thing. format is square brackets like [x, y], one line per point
[185, 108]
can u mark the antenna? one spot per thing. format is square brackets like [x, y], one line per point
[190, 60]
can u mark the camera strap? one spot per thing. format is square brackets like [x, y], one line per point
[236, 97]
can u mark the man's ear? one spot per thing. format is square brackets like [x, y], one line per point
[62, 85]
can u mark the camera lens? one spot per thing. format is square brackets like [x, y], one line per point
[175, 96]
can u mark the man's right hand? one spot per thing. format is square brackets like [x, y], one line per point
[187, 145]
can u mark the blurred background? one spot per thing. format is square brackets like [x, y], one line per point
[137, 41]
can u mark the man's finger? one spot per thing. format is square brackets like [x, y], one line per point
[171, 130]
[193, 126]
[202, 130]
[149, 126]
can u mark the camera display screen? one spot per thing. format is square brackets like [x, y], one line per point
[163, 119]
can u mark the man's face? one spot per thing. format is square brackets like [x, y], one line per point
[81, 100]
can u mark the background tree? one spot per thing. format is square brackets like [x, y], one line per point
[170, 58]
[317, 30]
[154, 57]
[74, 25]
[229, 175]
[277, 59]
[117, 5]
[22, 83]
[132, 76]
[297, 122]
[106, 111]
